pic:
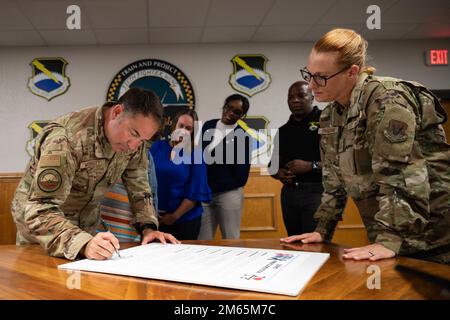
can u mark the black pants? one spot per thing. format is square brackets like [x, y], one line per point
[299, 203]
[187, 230]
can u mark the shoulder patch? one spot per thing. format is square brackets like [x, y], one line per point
[49, 180]
[396, 131]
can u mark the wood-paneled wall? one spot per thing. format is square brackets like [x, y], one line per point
[8, 185]
[262, 216]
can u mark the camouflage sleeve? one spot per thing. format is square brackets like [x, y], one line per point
[135, 179]
[399, 169]
[334, 196]
[43, 217]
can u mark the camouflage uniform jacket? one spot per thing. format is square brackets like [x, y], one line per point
[387, 150]
[57, 201]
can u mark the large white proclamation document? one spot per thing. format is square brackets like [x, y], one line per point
[265, 270]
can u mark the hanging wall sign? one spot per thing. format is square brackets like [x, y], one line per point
[249, 73]
[49, 77]
[166, 80]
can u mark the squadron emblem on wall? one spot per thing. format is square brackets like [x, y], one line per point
[49, 77]
[249, 73]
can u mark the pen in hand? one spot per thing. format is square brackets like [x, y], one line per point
[105, 226]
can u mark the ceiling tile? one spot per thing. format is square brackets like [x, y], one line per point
[48, 14]
[12, 18]
[293, 12]
[317, 31]
[175, 35]
[228, 34]
[111, 14]
[20, 38]
[177, 13]
[353, 12]
[122, 36]
[416, 11]
[280, 33]
[388, 31]
[429, 31]
[69, 37]
[237, 12]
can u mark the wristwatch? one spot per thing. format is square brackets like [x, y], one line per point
[315, 166]
[140, 227]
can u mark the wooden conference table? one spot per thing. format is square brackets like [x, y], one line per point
[28, 273]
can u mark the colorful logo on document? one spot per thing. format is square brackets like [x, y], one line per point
[253, 277]
[282, 257]
[49, 78]
[35, 128]
[168, 82]
[249, 73]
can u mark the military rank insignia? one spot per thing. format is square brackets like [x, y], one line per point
[49, 77]
[249, 73]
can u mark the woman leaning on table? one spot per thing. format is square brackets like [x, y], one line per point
[382, 144]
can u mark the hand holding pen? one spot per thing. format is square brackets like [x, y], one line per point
[105, 226]
[102, 246]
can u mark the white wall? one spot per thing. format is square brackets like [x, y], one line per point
[208, 67]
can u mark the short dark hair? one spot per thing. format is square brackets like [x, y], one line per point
[244, 100]
[144, 102]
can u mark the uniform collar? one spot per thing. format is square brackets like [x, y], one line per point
[355, 97]
[103, 148]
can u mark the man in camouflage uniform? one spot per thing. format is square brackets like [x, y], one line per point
[387, 150]
[78, 157]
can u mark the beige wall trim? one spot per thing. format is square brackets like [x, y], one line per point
[351, 226]
[10, 176]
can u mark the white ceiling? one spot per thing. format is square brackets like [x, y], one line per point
[104, 22]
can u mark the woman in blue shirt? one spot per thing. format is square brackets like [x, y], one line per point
[182, 180]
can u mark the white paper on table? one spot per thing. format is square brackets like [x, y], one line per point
[264, 270]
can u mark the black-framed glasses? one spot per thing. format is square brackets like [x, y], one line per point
[236, 112]
[321, 81]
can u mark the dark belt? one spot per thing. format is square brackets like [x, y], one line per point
[314, 186]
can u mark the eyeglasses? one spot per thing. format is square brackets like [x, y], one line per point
[321, 81]
[238, 113]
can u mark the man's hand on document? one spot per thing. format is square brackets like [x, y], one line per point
[149, 235]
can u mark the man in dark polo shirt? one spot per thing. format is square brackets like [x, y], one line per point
[299, 161]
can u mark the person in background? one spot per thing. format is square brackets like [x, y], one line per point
[299, 161]
[382, 144]
[227, 148]
[181, 177]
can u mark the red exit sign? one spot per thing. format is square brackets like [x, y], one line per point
[436, 57]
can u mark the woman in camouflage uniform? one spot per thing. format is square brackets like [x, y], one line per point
[382, 143]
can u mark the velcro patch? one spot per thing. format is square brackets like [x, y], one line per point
[50, 160]
[49, 180]
[396, 131]
[328, 130]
